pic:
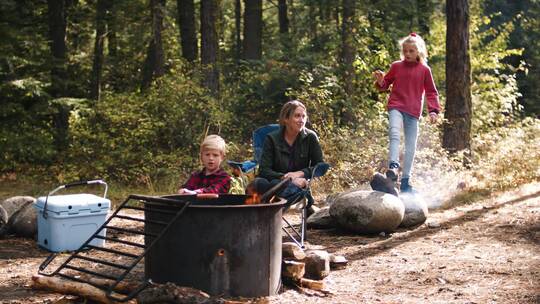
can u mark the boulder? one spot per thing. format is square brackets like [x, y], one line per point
[321, 219]
[368, 211]
[416, 210]
[21, 216]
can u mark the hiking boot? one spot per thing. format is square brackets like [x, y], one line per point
[392, 172]
[405, 186]
[383, 184]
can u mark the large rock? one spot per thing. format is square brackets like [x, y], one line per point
[416, 210]
[368, 211]
[21, 216]
[321, 219]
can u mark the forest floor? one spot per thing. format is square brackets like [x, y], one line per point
[483, 252]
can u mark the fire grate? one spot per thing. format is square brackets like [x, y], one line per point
[129, 246]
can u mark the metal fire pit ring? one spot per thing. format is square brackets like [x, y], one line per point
[221, 246]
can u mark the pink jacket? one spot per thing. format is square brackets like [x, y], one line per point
[410, 80]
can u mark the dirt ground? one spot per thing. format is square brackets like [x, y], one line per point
[484, 252]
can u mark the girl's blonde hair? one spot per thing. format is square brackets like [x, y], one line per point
[288, 109]
[419, 43]
[214, 142]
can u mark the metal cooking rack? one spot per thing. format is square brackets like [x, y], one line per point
[90, 253]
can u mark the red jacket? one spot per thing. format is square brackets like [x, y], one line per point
[410, 80]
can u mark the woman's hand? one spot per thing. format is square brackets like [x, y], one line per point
[379, 77]
[293, 175]
[300, 182]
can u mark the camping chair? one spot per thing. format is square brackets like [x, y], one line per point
[303, 198]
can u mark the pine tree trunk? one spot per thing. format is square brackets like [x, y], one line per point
[209, 44]
[186, 23]
[154, 65]
[253, 29]
[347, 55]
[95, 84]
[238, 28]
[458, 111]
[283, 19]
[57, 34]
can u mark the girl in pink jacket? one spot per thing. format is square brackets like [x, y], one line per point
[410, 80]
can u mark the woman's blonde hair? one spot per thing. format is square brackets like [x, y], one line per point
[214, 142]
[419, 43]
[288, 109]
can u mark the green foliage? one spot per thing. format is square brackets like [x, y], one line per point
[25, 131]
[494, 88]
[144, 139]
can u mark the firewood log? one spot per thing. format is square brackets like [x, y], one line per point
[338, 262]
[293, 269]
[317, 264]
[311, 284]
[171, 293]
[292, 251]
[73, 288]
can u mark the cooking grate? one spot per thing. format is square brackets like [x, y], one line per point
[106, 268]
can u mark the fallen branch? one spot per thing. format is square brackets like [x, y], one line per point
[73, 288]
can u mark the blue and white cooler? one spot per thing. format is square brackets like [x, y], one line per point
[65, 222]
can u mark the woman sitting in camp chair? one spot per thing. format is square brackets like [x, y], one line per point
[292, 151]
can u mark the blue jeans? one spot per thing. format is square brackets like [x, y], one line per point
[397, 121]
[262, 185]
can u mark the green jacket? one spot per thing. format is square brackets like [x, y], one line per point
[276, 154]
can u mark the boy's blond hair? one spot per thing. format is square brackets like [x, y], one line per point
[214, 142]
[419, 43]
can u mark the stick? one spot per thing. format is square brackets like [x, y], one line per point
[73, 288]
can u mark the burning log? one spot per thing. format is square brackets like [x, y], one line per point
[292, 251]
[293, 270]
[73, 288]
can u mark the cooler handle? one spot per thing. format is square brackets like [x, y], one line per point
[74, 184]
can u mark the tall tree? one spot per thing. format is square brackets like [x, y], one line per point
[283, 19]
[253, 30]
[101, 28]
[348, 52]
[57, 32]
[154, 65]
[209, 44]
[186, 23]
[237, 28]
[458, 110]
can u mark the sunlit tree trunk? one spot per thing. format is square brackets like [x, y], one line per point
[238, 28]
[95, 84]
[209, 44]
[186, 23]
[458, 111]
[253, 29]
[154, 65]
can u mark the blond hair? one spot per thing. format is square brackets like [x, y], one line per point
[214, 142]
[417, 41]
[288, 109]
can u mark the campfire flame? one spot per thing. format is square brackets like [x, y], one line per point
[253, 199]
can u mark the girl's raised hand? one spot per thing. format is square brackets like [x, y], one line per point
[379, 76]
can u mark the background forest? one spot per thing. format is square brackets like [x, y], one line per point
[125, 90]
